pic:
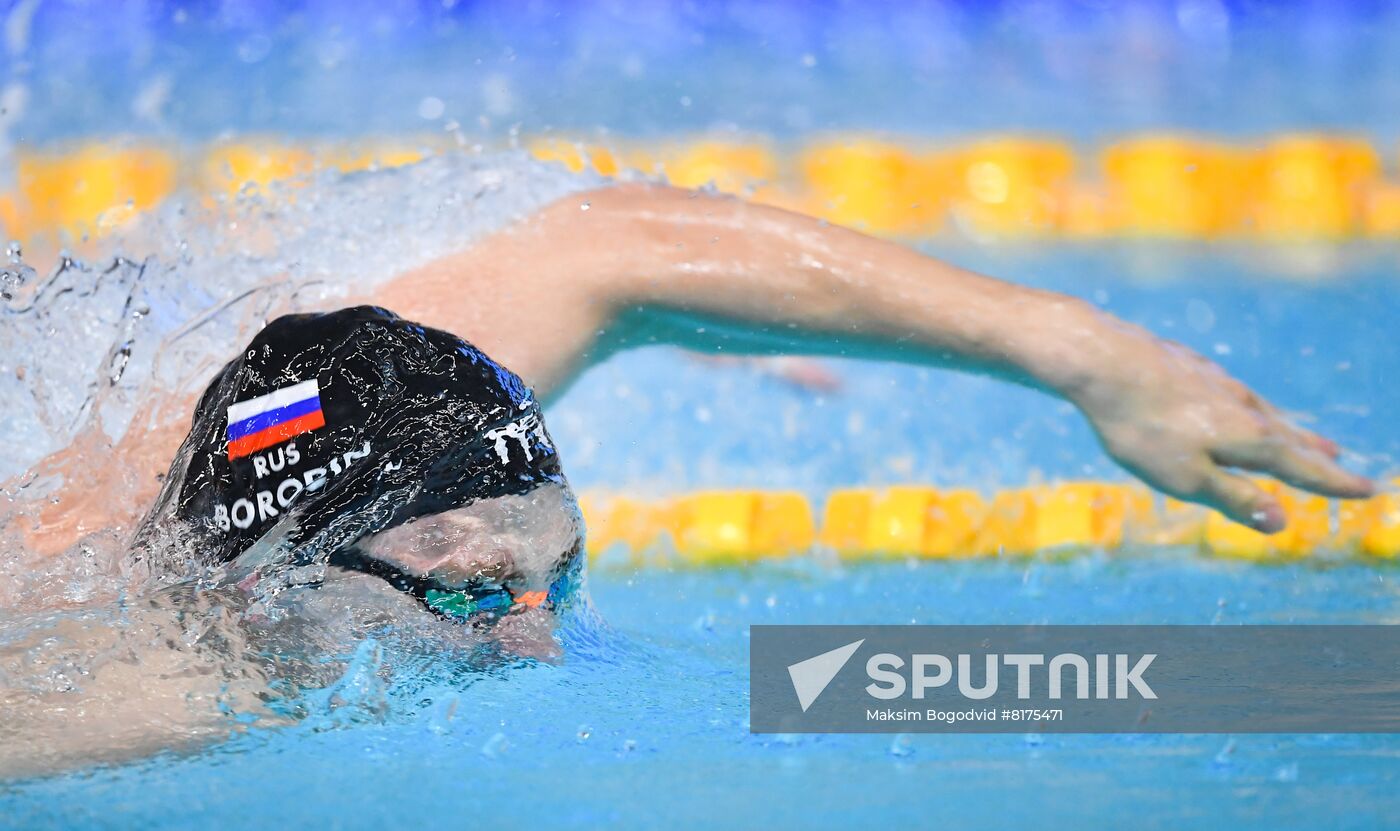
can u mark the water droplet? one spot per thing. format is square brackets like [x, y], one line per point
[119, 361]
[584, 732]
[902, 747]
[1199, 315]
[585, 206]
[431, 108]
[1222, 757]
[495, 746]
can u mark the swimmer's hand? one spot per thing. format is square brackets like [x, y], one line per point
[1181, 424]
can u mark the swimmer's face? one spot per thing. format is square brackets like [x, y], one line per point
[513, 541]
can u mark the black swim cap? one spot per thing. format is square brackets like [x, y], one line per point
[333, 426]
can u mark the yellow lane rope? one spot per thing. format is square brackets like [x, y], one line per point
[1288, 187]
[728, 527]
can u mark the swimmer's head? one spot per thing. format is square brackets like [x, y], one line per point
[332, 430]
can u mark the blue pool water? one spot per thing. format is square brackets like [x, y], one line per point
[646, 716]
[1088, 69]
[645, 721]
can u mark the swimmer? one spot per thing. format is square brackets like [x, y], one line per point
[641, 264]
[420, 495]
[359, 441]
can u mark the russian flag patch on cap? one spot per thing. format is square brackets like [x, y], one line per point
[282, 414]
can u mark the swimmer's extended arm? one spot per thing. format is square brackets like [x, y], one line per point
[643, 264]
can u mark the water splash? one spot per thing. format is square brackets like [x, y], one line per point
[100, 358]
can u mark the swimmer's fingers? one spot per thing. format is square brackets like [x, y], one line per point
[1239, 499]
[1298, 435]
[1300, 463]
[1270, 423]
[1321, 444]
[1290, 454]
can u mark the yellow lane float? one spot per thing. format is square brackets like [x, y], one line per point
[1380, 210]
[845, 519]
[87, 189]
[954, 516]
[1087, 211]
[1381, 537]
[1176, 186]
[875, 185]
[574, 155]
[1312, 186]
[745, 526]
[377, 155]
[229, 168]
[897, 521]
[1010, 187]
[731, 167]
[1006, 528]
[716, 527]
[783, 524]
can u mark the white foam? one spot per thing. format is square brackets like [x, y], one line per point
[88, 347]
[181, 290]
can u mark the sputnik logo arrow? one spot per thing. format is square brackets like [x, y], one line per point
[810, 677]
